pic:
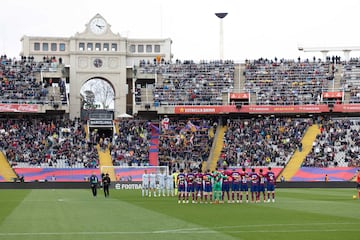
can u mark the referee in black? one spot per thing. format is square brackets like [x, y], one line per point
[106, 183]
[94, 181]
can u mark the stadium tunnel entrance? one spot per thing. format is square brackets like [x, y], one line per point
[103, 132]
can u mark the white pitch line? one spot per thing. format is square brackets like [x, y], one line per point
[184, 232]
[198, 230]
[298, 230]
[254, 226]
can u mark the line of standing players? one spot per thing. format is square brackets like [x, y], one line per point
[157, 184]
[231, 185]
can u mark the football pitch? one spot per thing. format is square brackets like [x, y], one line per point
[297, 214]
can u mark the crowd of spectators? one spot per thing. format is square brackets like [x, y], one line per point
[46, 143]
[183, 143]
[131, 145]
[351, 79]
[189, 83]
[287, 82]
[186, 143]
[20, 79]
[337, 145]
[262, 141]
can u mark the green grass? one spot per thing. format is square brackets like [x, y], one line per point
[297, 214]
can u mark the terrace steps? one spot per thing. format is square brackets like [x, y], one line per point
[5, 169]
[216, 148]
[116, 127]
[296, 160]
[105, 160]
[86, 128]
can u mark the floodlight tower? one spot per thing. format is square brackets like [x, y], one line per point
[221, 16]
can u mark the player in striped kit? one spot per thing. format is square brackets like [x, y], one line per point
[244, 189]
[254, 185]
[208, 181]
[225, 184]
[261, 188]
[270, 186]
[181, 183]
[190, 189]
[235, 186]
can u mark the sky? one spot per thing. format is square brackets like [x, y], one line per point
[252, 28]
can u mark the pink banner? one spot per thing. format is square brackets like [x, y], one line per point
[18, 108]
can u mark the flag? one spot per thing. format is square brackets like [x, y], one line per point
[192, 126]
[165, 123]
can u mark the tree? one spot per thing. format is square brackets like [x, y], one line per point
[102, 92]
[89, 100]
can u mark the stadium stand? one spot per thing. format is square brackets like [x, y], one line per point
[185, 143]
[46, 143]
[337, 144]
[287, 82]
[131, 146]
[189, 83]
[21, 80]
[53, 144]
[350, 79]
[262, 142]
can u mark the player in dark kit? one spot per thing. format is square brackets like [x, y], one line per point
[106, 183]
[94, 181]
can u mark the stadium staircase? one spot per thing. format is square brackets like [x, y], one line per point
[216, 148]
[337, 77]
[296, 160]
[86, 128]
[116, 127]
[106, 160]
[5, 169]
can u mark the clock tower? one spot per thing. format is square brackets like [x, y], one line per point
[98, 53]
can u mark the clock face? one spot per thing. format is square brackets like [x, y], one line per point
[98, 63]
[98, 26]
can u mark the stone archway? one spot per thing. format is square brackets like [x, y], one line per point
[98, 93]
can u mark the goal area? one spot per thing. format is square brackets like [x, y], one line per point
[132, 173]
